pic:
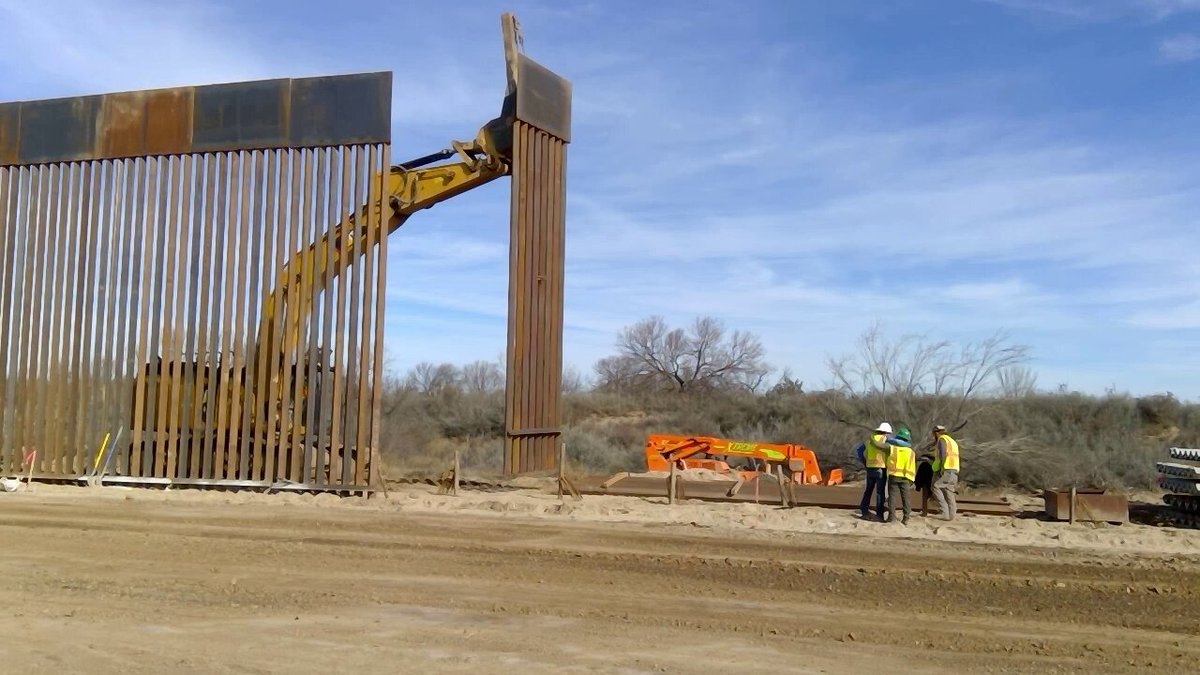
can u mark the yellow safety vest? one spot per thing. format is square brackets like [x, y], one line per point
[950, 461]
[902, 463]
[876, 451]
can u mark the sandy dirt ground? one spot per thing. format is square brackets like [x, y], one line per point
[117, 580]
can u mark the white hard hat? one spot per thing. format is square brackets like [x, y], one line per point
[884, 427]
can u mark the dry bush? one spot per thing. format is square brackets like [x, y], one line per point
[1014, 437]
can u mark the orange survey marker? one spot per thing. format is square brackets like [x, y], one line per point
[29, 459]
[703, 452]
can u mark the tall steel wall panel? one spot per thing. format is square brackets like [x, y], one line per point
[202, 270]
[535, 310]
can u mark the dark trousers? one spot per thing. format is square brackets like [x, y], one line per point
[901, 485]
[876, 482]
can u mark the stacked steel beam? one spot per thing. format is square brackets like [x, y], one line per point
[1181, 480]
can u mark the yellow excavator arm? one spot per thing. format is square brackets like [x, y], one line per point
[411, 186]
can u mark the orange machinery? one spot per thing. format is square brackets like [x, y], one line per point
[700, 452]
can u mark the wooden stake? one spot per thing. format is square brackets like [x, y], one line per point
[783, 495]
[29, 477]
[377, 469]
[562, 461]
[454, 488]
[1071, 508]
[671, 485]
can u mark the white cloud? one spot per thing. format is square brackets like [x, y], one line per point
[1101, 10]
[1179, 48]
[71, 47]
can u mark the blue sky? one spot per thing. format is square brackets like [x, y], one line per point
[799, 169]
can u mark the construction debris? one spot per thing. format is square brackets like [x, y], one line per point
[1182, 482]
[762, 489]
[1087, 505]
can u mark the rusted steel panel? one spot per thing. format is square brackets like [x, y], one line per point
[309, 112]
[374, 455]
[312, 441]
[266, 227]
[516, 303]
[110, 248]
[191, 254]
[544, 99]
[72, 237]
[55, 450]
[251, 205]
[237, 439]
[271, 341]
[6, 265]
[163, 298]
[89, 218]
[38, 327]
[122, 125]
[287, 300]
[127, 330]
[535, 304]
[141, 394]
[337, 442]
[176, 451]
[373, 211]
[296, 322]
[201, 425]
[22, 299]
[353, 346]
[59, 129]
[1090, 506]
[341, 110]
[241, 115]
[168, 127]
[10, 133]
[135, 288]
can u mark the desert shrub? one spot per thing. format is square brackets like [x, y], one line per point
[1034, 440]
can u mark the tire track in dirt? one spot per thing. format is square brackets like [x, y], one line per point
[1024, 610]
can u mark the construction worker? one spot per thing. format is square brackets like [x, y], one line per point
[945, 468]
[902, 471]
[875, 458]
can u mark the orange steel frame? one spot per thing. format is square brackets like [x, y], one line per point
[703, 452]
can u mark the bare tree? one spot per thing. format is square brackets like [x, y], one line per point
[921, 380]
[482, 377]
[653, 355]
[572, 380]
[788, 384]
[1016, 381]
[432, 379]
[618, 373]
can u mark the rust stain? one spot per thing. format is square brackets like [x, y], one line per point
[121, 127]
[169, 121]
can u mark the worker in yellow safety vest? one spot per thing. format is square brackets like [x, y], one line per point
[945, 471]
[902, 471]
[875, 459]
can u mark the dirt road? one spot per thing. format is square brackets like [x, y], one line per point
[109, 585]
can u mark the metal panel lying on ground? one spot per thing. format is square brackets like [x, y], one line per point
[172, 267]
[766, 491]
